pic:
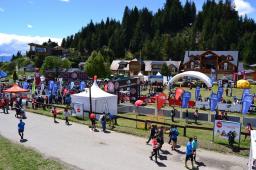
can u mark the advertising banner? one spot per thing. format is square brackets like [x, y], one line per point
[185, 99]
[245, 92]
[213, 101]
[247, 102]
[222, 129]
[197, 93]
[220, 93]
[79, 110]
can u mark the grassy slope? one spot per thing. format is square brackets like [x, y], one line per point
[14, 156]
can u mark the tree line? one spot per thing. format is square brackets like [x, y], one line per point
[168, 33]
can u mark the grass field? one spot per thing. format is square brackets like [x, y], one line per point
[136, 128]
[16, 157]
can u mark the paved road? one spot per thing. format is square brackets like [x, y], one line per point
[77, 145]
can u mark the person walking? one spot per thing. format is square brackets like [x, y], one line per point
[54, 113]
[186, 116]
[21, 127]
[66, 115]
[196, 116]
[173, 112]
[103, 121]
[189, 153]
[194, 147]
[155, 147]
[152, 133]
[248, 130]
[160, 139]
[175, 134]
[170, 135]
[93, 121]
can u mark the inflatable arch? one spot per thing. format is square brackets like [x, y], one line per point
[194, 74]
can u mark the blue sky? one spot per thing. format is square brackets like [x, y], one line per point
[23, 21]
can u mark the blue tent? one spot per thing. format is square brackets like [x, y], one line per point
[3, 74]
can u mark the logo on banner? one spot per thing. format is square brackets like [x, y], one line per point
[219, 124]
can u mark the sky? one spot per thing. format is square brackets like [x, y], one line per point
[24, 21]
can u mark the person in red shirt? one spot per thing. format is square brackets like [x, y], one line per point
[54, 113]
[155, 146]
[93, 120]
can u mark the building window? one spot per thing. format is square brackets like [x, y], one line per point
[225, 66]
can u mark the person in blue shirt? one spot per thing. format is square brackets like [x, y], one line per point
[189, 152]
[174, 136]
[21, 127]
[194, 147]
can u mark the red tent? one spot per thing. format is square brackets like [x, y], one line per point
[15, 89]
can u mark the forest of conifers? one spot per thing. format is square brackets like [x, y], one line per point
[169, 32]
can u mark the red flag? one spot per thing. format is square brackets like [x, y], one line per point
[160, 100]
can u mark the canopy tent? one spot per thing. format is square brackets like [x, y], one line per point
[101, 100]
[140, 74]
[15, 89]
[194, 74]
[158, 74]
[3, 74]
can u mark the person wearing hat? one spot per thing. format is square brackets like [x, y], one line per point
[194, 147]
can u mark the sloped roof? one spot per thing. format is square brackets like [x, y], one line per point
[115, 64]
[234, 54]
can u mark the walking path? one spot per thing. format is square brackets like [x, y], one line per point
[77, 145]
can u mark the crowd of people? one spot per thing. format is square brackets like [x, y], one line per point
[156, 137]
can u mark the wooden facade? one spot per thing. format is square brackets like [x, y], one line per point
[210, 62]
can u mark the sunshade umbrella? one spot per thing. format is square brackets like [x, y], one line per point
[138, 103]
[15, 89]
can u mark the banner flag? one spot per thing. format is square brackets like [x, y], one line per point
[185, 99]
[245, 92]
[220, 93]
[247, 102]
[213, 101]
[197, 93]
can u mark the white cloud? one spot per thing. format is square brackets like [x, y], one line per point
[12, 43]
[243, 7]
[64, 0]
[29, 26]
[1, 10]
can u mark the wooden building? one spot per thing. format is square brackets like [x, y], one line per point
[214, 63]
[146, 67]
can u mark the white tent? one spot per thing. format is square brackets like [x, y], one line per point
[158, 74]
[101, 100]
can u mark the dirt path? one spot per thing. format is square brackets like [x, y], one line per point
[77, 145]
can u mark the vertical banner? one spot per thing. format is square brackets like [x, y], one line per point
[33, 87]
[213, 101]
[220, 93]
[245, 92]
[185, 99]
[219, 83]
[197, 93]
[161, 100]
[72, 84]
[247, 102]
[82, 86]
[25, 85]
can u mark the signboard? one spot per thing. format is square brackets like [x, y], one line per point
[252, 157]
[222, 128]
[79, 110]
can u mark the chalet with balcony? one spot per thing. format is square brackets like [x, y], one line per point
[214, 63]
